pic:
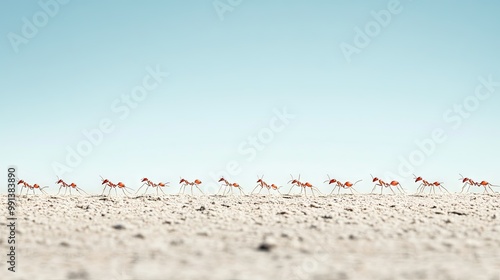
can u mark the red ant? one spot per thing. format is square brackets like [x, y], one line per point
[68, 186]
[30, 187]
[63, 185]
[487, 185]
[303, 186]
[432, 186]
[337, 183]
[184, 183]
[467, 182]
[111, 185]
[262, 185]
[229, 186]
[108, 183]
[422, 185]
[149, 183]
[383, 185]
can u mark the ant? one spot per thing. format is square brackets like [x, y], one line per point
[382, 184]
[184, 183]
[262, 185]
[229, 186]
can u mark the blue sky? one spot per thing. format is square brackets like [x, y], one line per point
[230, 71]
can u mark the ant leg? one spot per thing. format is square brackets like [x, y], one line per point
[445, 189]
[373, 189]
[79, 189]
[254, 189]
[317, 190]
[400, 188]
[333, 190]
[463, 188]
[161, 189]
[392, 190]
[260, 189]
[199, 189]
[140, 188]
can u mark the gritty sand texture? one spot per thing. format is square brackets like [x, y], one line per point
[256, 237]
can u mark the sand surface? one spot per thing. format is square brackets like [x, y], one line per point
[256, 237]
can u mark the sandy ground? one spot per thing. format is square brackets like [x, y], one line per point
[256, 237]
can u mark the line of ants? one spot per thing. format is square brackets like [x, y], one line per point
[227, 187]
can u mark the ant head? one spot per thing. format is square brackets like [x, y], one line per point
[105, 181]
[332, 181]
[144, 179]
[259, 181]
[464, 180]
[20, 182]
[221, 179]
[418, 179]
[375, 179]
[59, 181]
[182, 181]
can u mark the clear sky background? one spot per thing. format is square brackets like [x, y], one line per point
[228, 76]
